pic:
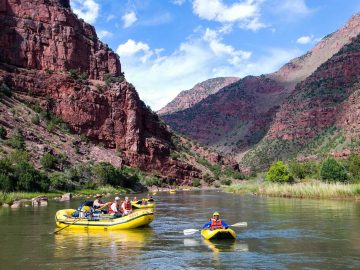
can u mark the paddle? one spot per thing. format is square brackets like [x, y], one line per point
[192, 231]
[66, 226]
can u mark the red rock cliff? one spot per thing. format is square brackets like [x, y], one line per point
[40, 42]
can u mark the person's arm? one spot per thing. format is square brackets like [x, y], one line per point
[207, 225]
[224, 225]
[122, 207]
[113, 208]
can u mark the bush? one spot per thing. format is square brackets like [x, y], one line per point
[50, 126]
[3, 133]
[196, 182]
[354, 167]
[332, 170]
[35, 119]
[48, 162]
[29, 179]
[303, 170]
[6, 184]
[226, 182]
[59, 181]
[5, 90]
[108, 174]
[279, 172]
[152, 181]
[17, 140]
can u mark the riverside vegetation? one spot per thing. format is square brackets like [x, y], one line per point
[330, 178]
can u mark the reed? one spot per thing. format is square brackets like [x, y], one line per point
[312, 189]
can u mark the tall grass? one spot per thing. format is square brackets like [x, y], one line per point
[314, 189]
[102, 190]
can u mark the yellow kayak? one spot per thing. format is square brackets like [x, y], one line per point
[138, 205]
[63, 218]
[218, 234]
[172, 191]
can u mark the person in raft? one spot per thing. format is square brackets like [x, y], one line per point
[126, 207]
[114, 209]
[98, 203]
[215, 223]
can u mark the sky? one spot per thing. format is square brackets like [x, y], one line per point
[166, 46]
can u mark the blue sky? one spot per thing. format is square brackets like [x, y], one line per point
[167, 46]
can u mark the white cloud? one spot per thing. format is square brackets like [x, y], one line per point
[104, 34]
[307, 40]
[159, 77]
[294, 6]
[245, 13]
[86, 9]
[110, 17]
[178, 2]
[129, 19]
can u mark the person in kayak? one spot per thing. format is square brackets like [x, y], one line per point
[114, 209]
[126, 207]
[98, 203]
[215, 223]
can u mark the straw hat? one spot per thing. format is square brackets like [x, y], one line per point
[98, 196]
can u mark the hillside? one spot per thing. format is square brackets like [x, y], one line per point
[239, 116]
[65, 92]
[188, 98]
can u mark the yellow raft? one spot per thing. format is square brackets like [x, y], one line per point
[138, 204]
[172, 191]
[218, 234]
[63, 218]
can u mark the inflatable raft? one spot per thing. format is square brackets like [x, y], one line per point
[138, 204]
[218, 234]
[63, 218]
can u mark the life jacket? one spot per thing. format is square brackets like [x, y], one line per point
[127, 205]
[112, 211]
[215, 224]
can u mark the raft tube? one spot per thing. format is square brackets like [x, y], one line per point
[218, 234]
[139, 218]
[138, 205]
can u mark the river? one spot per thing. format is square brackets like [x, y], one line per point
[281, 234]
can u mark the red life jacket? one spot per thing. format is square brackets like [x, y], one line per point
[127, 206]
[215, 224]
[110, 210]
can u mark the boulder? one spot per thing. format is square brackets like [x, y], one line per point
[5, 205]
[40, 201]
[66, 197]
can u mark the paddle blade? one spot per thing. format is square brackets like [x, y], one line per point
[190, 231]
[240, 224]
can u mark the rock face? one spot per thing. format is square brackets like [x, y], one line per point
[200, 91]
[46, 35]
[240, 115]
[51, 58]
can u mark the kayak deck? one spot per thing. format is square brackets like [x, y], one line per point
[218, 234]
[136, 219]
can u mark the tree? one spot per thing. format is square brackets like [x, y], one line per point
[108, 174]
[279, 172]
[3, 133]
[29, 179]
[48, 162]
[332, 170]
[303, 170]
[17, 140]
[59, 181]
[354, 167]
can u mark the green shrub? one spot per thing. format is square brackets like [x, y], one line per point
[48, 162]
[226, 182]
[152, 181]
[29, 179]
[18, 156]
[17, 140]
[50, 126]
[196, 182]
[35, 119]
[354, 167]
[6, 184]
[5, 90]
[3, 133]
[279, 172]
[303, 170]
[106, 173]
[60, 181]
[230, 172]
[332, 170]
[74, 73]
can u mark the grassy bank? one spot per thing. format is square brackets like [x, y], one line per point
[14, 196]
[312, 189]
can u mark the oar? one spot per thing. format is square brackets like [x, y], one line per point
[192, 231]
[67, 226]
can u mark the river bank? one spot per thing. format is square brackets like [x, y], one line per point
[310, 190]
[9, 198]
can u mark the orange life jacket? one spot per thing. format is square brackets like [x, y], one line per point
[127, 206]
[216, 224]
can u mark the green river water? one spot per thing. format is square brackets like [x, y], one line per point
[281, 234]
